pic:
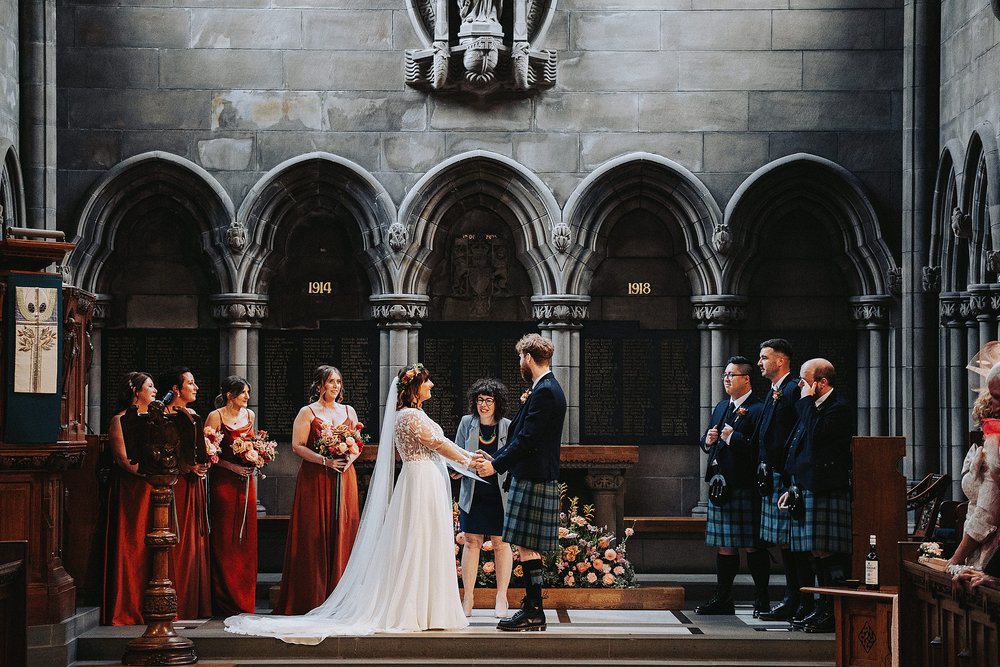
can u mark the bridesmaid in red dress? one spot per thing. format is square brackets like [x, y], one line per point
[126, 558]
[189, 569]
[320, 532]
[233, 505]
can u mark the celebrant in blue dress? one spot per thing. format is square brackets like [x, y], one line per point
[481, 504]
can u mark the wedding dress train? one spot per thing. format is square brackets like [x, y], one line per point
[401, 576]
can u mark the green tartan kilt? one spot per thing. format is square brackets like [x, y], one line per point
[532, 519]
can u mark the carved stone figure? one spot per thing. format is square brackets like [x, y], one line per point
[397, 236]
[479, 270]
[993, 261]
[961, 224]
[236, 236]
[722, 237]
[480, 10]
[480, 60]
[931, 279]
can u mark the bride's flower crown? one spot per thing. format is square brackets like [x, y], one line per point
[407, 377]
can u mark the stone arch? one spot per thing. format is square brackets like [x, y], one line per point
[947, 189]
[130, 185]
[303, 181]
[474, 178]
[634, 181]
[11, 187]
[825, 188]
[981, 199]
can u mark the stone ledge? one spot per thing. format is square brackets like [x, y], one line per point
[645, 597]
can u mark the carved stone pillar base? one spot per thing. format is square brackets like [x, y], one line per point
[608, 487]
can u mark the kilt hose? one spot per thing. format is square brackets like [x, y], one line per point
[736, 523]
[826, 525]
[532, 519]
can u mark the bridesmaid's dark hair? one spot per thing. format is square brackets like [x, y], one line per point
[408, 383]
[129, 388]
[489, 387]
[320, 376]
[170, 379]
[231, 386]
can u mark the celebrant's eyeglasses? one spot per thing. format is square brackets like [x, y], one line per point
[485, 401]
[730, 376]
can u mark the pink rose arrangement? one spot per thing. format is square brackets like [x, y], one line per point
[256, 450]
[213, 444]
[343, 440]
[588, 556]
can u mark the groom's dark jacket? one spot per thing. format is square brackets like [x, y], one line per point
[535, 434]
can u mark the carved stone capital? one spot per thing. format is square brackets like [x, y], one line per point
[605, 480]
[979, 305]
[102, 309]
[931, 279]
[719, 312]
[560, 314]
[399, 315]
[949, 310]
[870, 313]
[237, 310]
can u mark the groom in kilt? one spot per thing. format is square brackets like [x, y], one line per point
[532, 458]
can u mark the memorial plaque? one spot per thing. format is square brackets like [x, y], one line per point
[459, 353]
[155, 351]
[638, 386]
[839, 347]
[289, 357]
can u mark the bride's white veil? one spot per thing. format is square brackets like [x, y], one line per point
[349, 609]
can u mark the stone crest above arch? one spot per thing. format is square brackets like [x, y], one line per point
[291, 187]
[14, 213]
[508, 188]
[834, 195]
[651, 182]
[126, 187]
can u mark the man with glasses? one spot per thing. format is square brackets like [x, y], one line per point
[734, 510]
[776, 423]
[819, 469]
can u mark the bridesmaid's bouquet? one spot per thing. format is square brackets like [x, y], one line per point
[213, 444]
[256, 450]
[343, 440]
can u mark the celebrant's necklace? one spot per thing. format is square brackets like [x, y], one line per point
[485, 439]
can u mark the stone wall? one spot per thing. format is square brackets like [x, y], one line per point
[238, 86]
[9, 59]
[970, 69]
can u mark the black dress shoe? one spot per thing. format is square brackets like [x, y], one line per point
[761, 606]
[526, 619]
[803, 612]
[783, 612]
[717, 607]
[821, 621]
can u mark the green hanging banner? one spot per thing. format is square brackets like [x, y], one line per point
[34, 357]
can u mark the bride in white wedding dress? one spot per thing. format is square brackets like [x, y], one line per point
[401, 575]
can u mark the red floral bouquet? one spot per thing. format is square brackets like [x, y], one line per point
[213, 444]
[343, 440]
[256, 450]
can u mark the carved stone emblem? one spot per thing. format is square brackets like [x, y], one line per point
[397, 236]
[562, 237]
[236, 236]
[479, 270]
[931, 279]
[961, 223]
[894, 278]
[993, 261]
[492, 45]
[722, 237]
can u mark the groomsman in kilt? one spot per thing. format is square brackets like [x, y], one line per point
[734, 507]
[532, 458]
[818, 471]
[776, 423]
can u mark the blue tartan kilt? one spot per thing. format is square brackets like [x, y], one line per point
[736, 523]
[532, 519]
[774, 522]
[827, 522]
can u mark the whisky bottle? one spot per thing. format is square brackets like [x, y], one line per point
[871, 566]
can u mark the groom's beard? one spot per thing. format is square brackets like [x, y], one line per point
[525, 372]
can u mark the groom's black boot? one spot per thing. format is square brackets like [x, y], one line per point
[530, 616]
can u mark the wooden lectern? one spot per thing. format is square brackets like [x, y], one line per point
[41, 417]
[878, 504]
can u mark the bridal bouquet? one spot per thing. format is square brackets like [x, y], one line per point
[213, 444]
[345, 439]
[588, 556]
[256, 450]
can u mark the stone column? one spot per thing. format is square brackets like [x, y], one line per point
[102, 311]
[871, 313]
[560, 318]
[239, 315]
[716, 316]
[38, 111]
[398, 317]
[953, 387]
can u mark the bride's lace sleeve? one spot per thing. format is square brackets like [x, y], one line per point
[414, 430]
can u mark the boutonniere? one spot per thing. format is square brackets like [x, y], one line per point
[741, 411]
[525, 395]
[776, 395]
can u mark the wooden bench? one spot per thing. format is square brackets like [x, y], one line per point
[686, 525]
